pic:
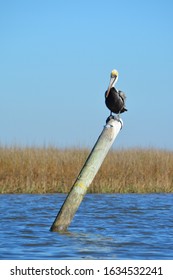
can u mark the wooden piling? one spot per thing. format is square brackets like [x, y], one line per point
[87, 174]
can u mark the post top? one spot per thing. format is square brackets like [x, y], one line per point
[111, 121]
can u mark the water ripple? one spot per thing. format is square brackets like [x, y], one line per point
[106, 226]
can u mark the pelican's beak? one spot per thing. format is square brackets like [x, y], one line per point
[112, 82]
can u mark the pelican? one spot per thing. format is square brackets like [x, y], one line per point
[115, 99]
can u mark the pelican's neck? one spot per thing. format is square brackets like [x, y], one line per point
[112, 82]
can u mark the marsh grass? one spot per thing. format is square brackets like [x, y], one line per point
[49, 170]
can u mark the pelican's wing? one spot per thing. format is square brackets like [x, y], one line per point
[122, 95]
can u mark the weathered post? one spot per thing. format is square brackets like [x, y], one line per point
[87, 174]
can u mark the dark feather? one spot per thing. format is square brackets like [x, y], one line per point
[115, 101]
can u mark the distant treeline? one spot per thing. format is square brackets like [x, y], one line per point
[50, 170]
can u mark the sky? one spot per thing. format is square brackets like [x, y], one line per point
[55, 62]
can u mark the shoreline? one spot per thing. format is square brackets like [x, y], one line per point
[52, 170]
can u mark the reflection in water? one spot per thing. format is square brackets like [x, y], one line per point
[111, 226]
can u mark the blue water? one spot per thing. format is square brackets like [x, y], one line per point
[106, 226]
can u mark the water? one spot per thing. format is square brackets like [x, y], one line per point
[106, 226]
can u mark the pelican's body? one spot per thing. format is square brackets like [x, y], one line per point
[115, 99]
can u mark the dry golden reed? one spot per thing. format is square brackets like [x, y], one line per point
[49, 170]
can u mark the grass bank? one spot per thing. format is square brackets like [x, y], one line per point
[49, 170]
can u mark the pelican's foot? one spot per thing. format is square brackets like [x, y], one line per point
[110, 118]
[114, 117]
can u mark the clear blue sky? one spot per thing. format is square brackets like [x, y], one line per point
[56, 58]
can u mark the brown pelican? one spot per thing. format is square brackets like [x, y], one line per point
[115, 99]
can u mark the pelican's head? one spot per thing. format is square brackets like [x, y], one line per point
[113, 80]
[114, 74]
